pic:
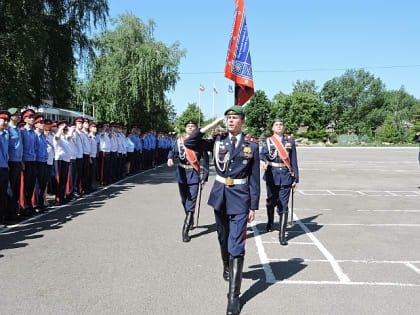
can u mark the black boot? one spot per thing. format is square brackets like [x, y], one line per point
[225, 259]
[186, 227]
[192, 227]
[235, 273]
[270, 218]
[283, 227]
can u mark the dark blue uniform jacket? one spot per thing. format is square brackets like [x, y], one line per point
[243, 163]
[189, 176]
[280, 176]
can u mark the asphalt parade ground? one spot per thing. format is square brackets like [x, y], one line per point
[354, 247]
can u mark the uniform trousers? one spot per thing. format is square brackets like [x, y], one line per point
[62, 174]
[105, 167]
[4, 177]
[77, 179]
[85, 172]
[15, 169]
[42, 180]
[278, 195]
[29, 180]
[231, 232]
[92, 172]
[189, 195]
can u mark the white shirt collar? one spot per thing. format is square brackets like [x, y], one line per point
[238, 137]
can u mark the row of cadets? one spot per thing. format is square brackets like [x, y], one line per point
[4, 158]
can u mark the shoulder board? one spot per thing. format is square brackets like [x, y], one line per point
[286, 138]
[248, 137]
[254, 140]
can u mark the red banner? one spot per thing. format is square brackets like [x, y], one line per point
[238, 63]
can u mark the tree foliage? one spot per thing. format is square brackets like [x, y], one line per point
[350, 97]
[257, 113]
[131, 73]
[191, 113]
[38, 41]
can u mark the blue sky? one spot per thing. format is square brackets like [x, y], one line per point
[285, 37]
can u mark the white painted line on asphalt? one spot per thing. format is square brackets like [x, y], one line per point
[387, 284]
[293, 243]
[362, 224]
[356, 261]
[384, 210]
[337, 269]
[269, 275]
[411, 266]
[366, 193]
[56, 208]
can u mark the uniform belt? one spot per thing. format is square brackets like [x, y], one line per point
[230, 181]
[187, 167]
[275, 164]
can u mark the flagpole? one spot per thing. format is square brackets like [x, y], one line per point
[227, 99]
[199, 106]
[212, 107]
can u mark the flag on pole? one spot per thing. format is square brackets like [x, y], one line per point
[202, 88]
[230, 89]
[215, 91]
[238, 63]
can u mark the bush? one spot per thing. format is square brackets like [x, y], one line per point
[315, 135]
[348, 139]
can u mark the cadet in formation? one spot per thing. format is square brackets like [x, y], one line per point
[235, 194]
[188, 175]
[279, 160]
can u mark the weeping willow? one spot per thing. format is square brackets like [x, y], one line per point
[130, 73]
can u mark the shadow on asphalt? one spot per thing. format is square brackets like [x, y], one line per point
[293, 231]
[209, 228]
[16, 237]
[282, 271]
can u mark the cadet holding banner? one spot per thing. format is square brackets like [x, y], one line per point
[235, 194]
[278, 158]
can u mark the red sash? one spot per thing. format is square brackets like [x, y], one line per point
[191, 157]
[282, 152]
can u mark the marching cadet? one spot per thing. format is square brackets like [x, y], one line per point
[29, 162]
[41, 153]
[235, 194]
[279, 160]
[188, 175]
[15, 163]
[4, 158]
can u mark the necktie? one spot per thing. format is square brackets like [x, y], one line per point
[233, 140]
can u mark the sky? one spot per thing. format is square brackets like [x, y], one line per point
[289, 41]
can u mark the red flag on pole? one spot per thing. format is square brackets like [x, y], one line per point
[238, 66]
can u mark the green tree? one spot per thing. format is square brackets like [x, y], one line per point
[391, 132]
[306, 86]
[257, 113]
[131, 73]
[305, 110]
[191, 113]
[38, 41]
[348, 99]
